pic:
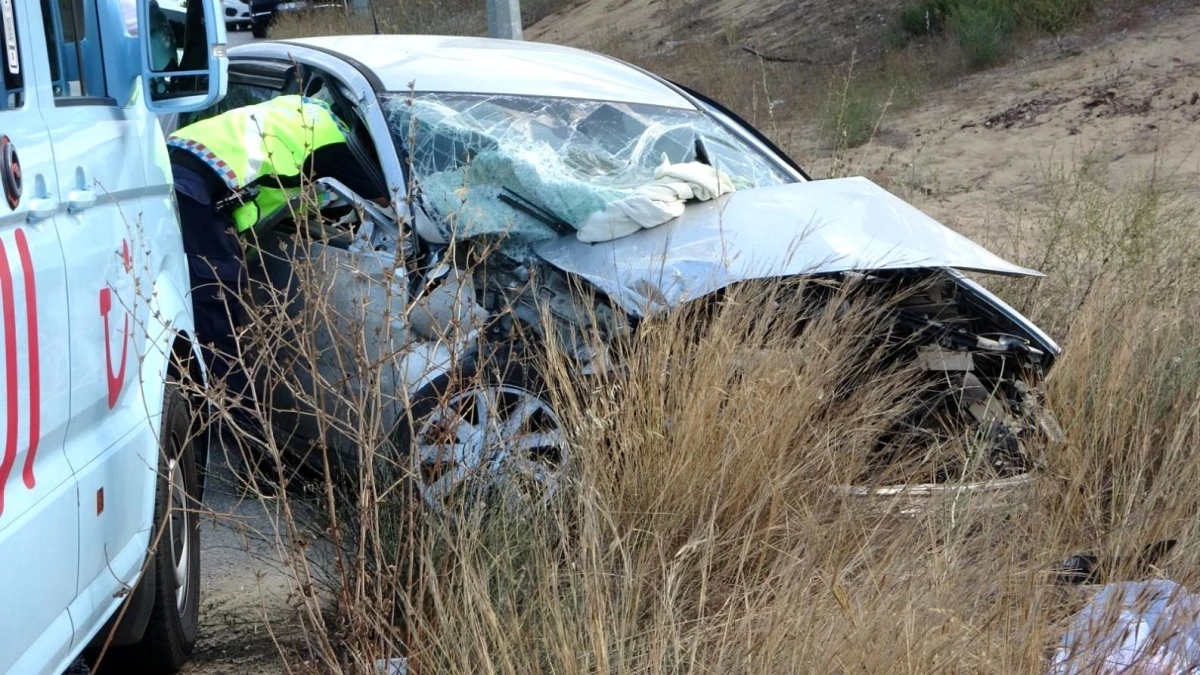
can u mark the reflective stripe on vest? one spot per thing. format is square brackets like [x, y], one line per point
[266, 143]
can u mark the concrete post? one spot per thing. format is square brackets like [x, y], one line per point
[504, 19]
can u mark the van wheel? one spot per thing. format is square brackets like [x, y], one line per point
[171, 633]
[258, 29]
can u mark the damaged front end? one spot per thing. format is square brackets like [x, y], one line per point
[506, 186]
[978, 414]
[975, 422]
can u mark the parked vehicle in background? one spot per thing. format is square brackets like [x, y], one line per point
[97, 468]
[264, 12]
[522, 154]
[237, 14]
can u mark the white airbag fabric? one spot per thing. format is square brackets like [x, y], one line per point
[655, 202]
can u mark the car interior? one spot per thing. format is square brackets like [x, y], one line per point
[332, 242]
[258, 81]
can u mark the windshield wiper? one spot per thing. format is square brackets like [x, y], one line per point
[702, 151]
[516, 201]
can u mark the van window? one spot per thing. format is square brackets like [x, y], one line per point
[76, 60]
[14, 77]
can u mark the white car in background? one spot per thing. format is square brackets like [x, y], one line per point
[237, 14]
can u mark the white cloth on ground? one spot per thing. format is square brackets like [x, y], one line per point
[1143, 627]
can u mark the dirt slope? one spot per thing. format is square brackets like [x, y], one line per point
[1119, 93]
[1129, 102]
[816, 30]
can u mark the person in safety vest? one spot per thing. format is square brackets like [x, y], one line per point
[231, 172]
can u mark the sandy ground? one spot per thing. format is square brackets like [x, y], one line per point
[816, 30]
[1129, 101]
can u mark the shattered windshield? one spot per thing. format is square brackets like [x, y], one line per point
[535, 168]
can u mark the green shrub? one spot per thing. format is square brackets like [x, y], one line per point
[923, 18]
[1052, 16]
[982, 31]
[917, 20]
[983, 27]
[855, 109]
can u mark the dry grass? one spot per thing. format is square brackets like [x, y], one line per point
[700, 533]
[430, 17]
[706, 539]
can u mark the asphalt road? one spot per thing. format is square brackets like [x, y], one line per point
[240, 37]
[246, 589]
[244, 585]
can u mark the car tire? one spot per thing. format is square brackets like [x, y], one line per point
[259, 29]
[507, 371]
[174, 620]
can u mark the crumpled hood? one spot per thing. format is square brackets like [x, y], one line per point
[836, 225]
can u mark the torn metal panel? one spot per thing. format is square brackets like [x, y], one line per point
[447, 307]
[935, 358]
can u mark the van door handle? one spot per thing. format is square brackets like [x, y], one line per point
[41, 208]
[80, 200]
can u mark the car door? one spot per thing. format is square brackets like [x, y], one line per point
[107, 222]
[39, 522]
[358, 318]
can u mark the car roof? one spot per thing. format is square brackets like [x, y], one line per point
[489, 66]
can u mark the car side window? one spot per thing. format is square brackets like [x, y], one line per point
[73, 45]
[236, 96]
[14, 78]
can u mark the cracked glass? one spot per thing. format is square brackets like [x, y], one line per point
[536, 168]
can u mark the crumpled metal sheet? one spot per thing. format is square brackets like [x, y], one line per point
[824, 226]
[1142, 627]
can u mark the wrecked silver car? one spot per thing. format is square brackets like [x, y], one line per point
[581, 172]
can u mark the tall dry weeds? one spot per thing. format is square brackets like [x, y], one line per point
[702, 534]
[700, 531]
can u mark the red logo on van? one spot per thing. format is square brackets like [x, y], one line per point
[115, 380]
[11, 383]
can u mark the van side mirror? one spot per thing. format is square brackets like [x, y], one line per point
[182, 47]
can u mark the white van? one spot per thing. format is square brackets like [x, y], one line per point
[96, 324]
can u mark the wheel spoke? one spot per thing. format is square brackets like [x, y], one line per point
[519, 415]
[507, 442]
[178, 530]
[180, 551]
[447, 483]
[445, 453]
[545, 477]
[520, 446]
[483, 408]
[438, 424]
